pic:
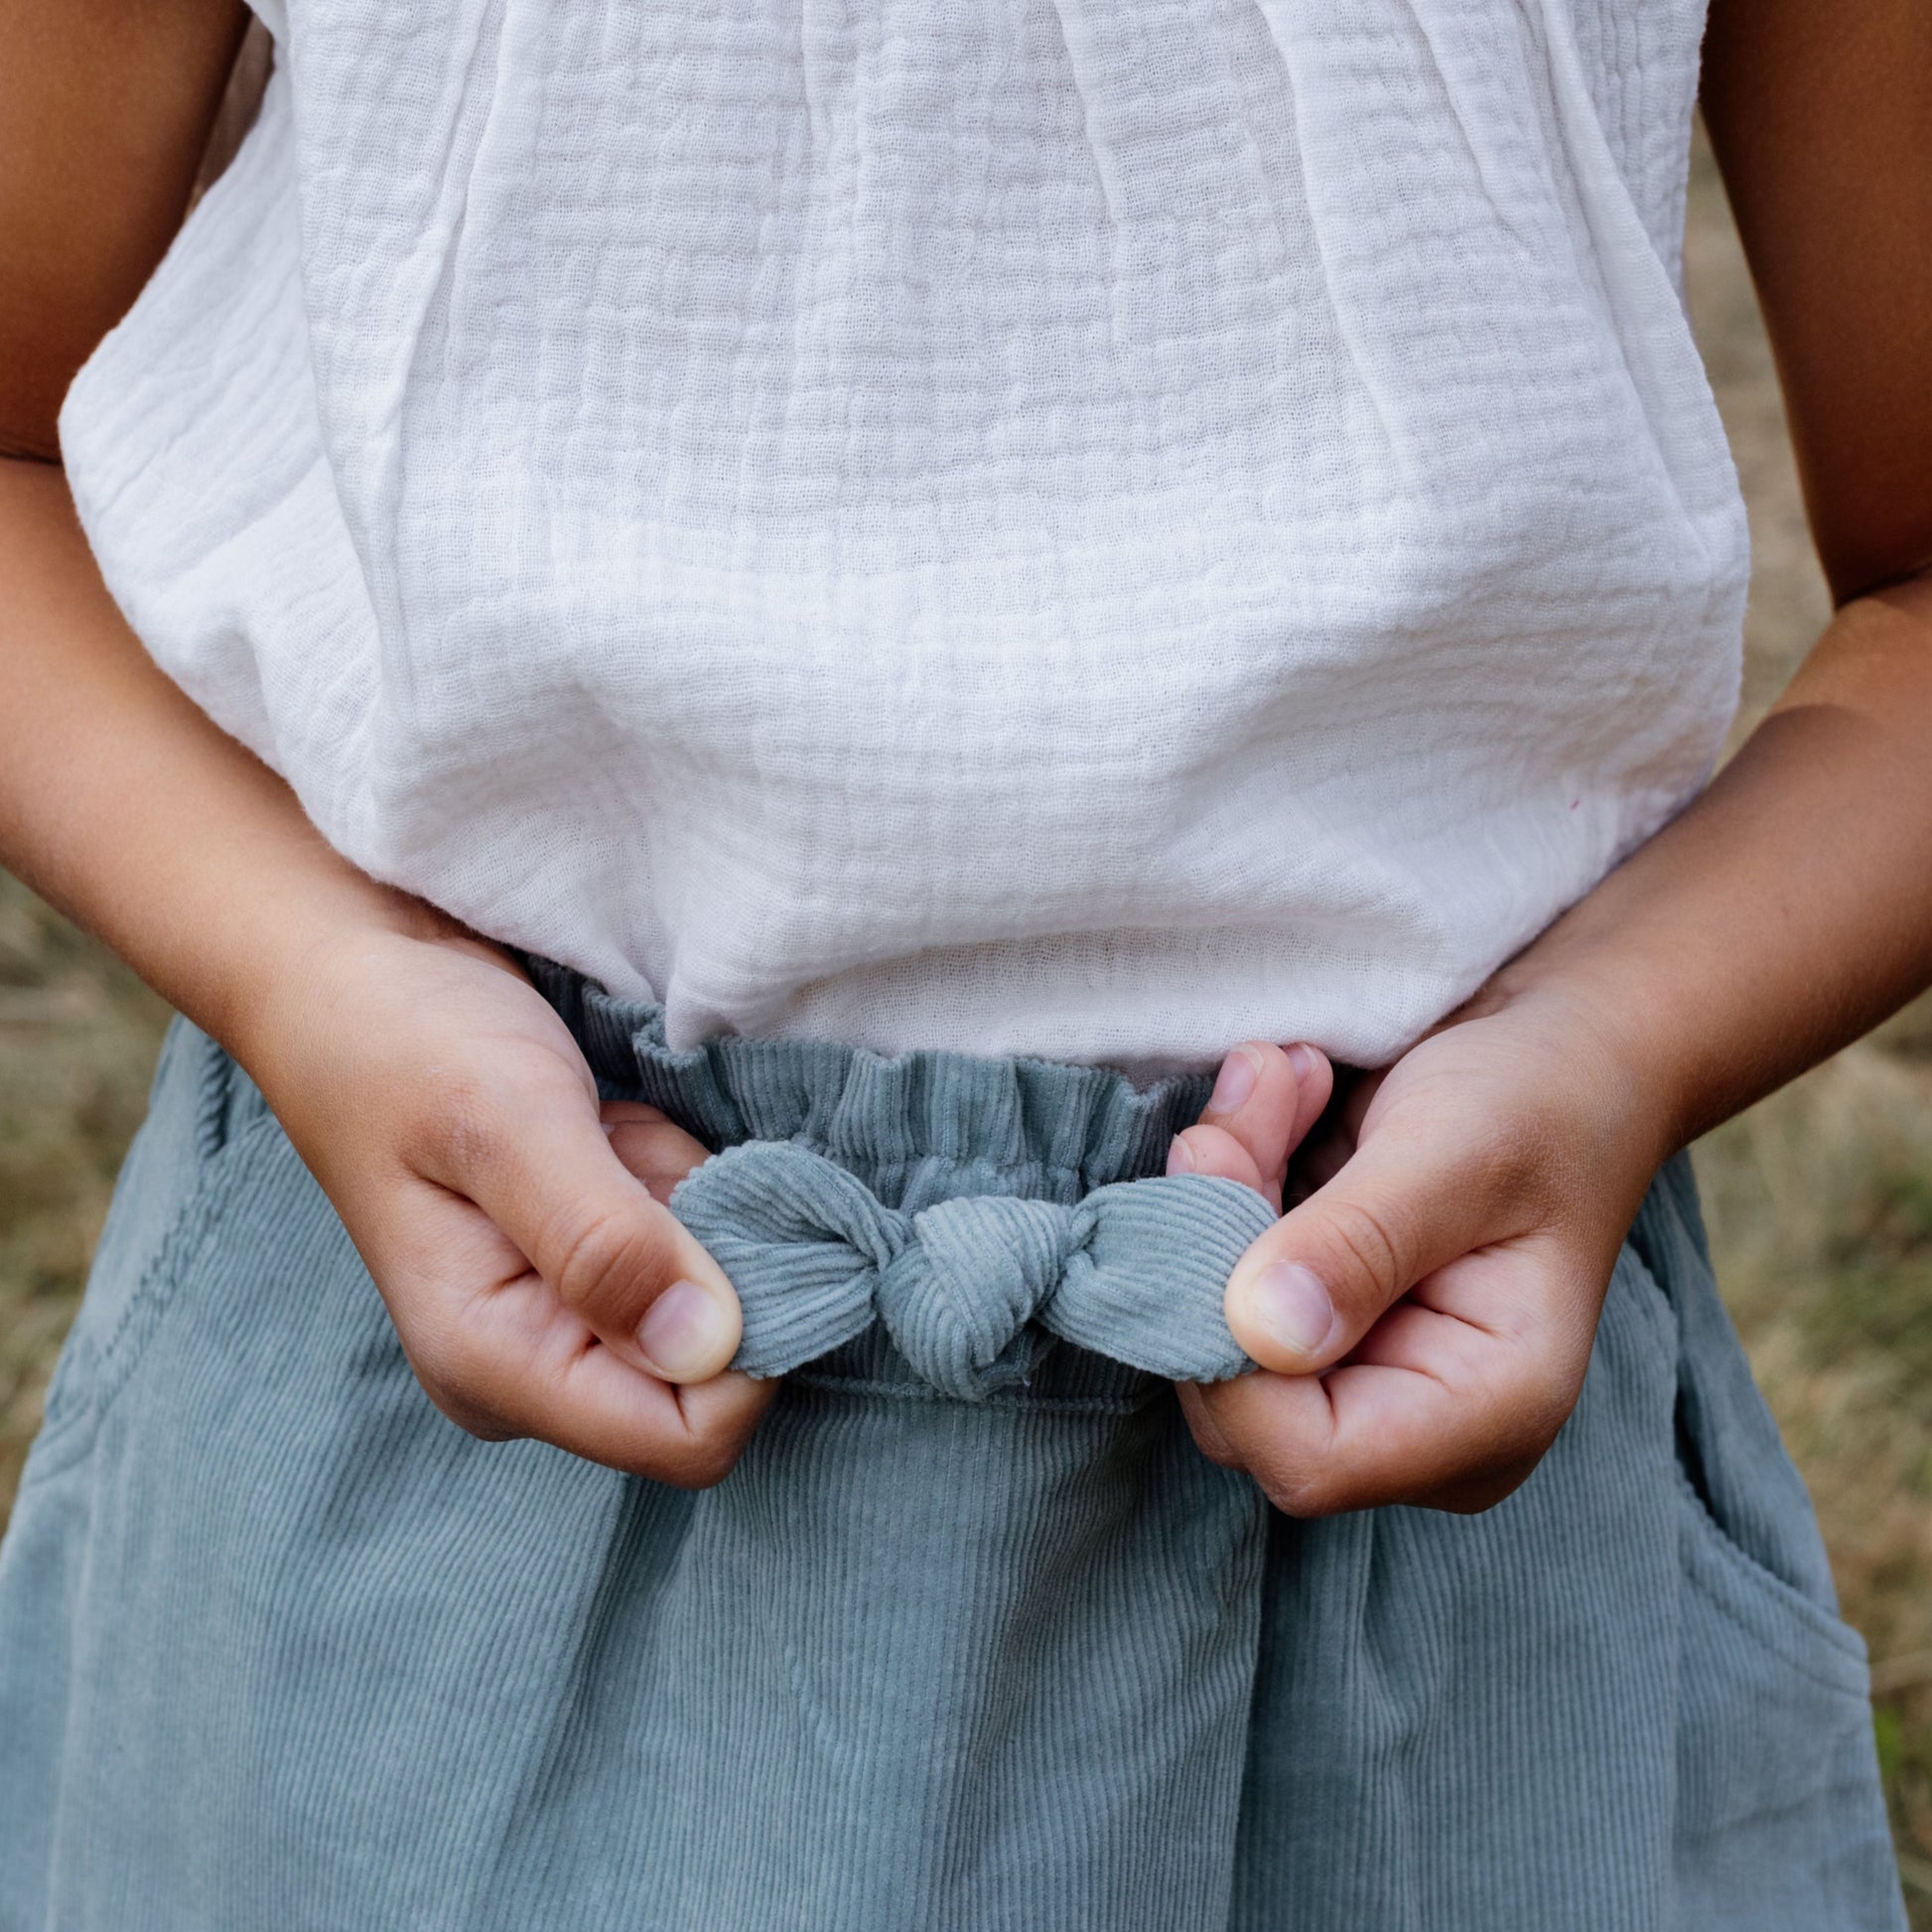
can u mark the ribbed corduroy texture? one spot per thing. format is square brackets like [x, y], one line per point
[969, 1290]
[281, 1647]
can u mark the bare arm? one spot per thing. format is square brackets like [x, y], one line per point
[104, 108]
[538, 1285]
[1789, 907]
[1448, 1275]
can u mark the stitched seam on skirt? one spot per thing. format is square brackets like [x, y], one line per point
[1017, 1400]
[1792, 1604]
[213, 1095]
[1785, 1597]
[188, 1236]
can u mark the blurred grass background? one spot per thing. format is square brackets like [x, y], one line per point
[1820, 1200]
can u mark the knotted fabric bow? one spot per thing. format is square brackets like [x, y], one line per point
[970, 1289]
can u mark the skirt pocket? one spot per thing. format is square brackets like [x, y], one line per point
[1780, 1824]
[1779, 1820]
[173, 1193]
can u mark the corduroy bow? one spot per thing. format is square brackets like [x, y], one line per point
[970, 1289]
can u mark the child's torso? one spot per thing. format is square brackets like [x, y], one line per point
[1064, 528]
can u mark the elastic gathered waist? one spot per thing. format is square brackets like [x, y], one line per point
[974, 1227]
[916, 1128]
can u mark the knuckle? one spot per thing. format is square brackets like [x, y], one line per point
[479, 1423]
[460, 1121]
[1501, 1152]
[607, 1265]
[708, 1467]
[1532, 1404]
[1300, 1494]
[1374, 1245]
[1528, 1172]
[458, 1373]
[432, 1357]
[1208, 1437]
[451, 1381]
[1545, 1412]
[703, 1460]
[1301, 1486]
[1214, 1446]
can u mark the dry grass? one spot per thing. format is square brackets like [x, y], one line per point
[78, 1040]
[1820, 1200]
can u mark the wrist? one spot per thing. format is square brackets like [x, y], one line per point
[1608, 1031]
[315, 941]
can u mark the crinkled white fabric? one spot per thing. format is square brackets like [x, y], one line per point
[1045, 526]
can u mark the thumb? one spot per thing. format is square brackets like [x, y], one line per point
[546, 1172]
[1405, 1204]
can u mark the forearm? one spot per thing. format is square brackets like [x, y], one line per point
[123, 806]
[1789, 910]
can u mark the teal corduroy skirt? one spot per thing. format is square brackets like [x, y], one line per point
[971, 1637]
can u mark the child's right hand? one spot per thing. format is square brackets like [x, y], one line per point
[440, 1102]
[537, 1286]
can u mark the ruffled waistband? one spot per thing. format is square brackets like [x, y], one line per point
[938, 1223]
[909, 1124]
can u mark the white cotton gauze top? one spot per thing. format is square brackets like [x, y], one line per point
[1047, 526]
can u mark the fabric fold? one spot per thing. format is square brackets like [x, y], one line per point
[972, 1290]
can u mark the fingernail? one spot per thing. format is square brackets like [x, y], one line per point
[1239, 1072]
[684, 1332]
[1181, 1157]
[1301, 1060]
[1291, 1304]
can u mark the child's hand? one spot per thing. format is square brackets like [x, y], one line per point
[1265, 1101]
[537, 1286]
[1429, 1308]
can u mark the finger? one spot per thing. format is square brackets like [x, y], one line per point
[1213, 1150]
[1435, 1409]
[1314, 1087]
[1206, 1431]
[1259, 1098]
[500, 1354]
[651, 1146]
[1408, 1202]
[1265, 1100]
[535, 1158]
[581, 1396]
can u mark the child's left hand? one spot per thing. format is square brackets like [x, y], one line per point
[1427, 1311]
